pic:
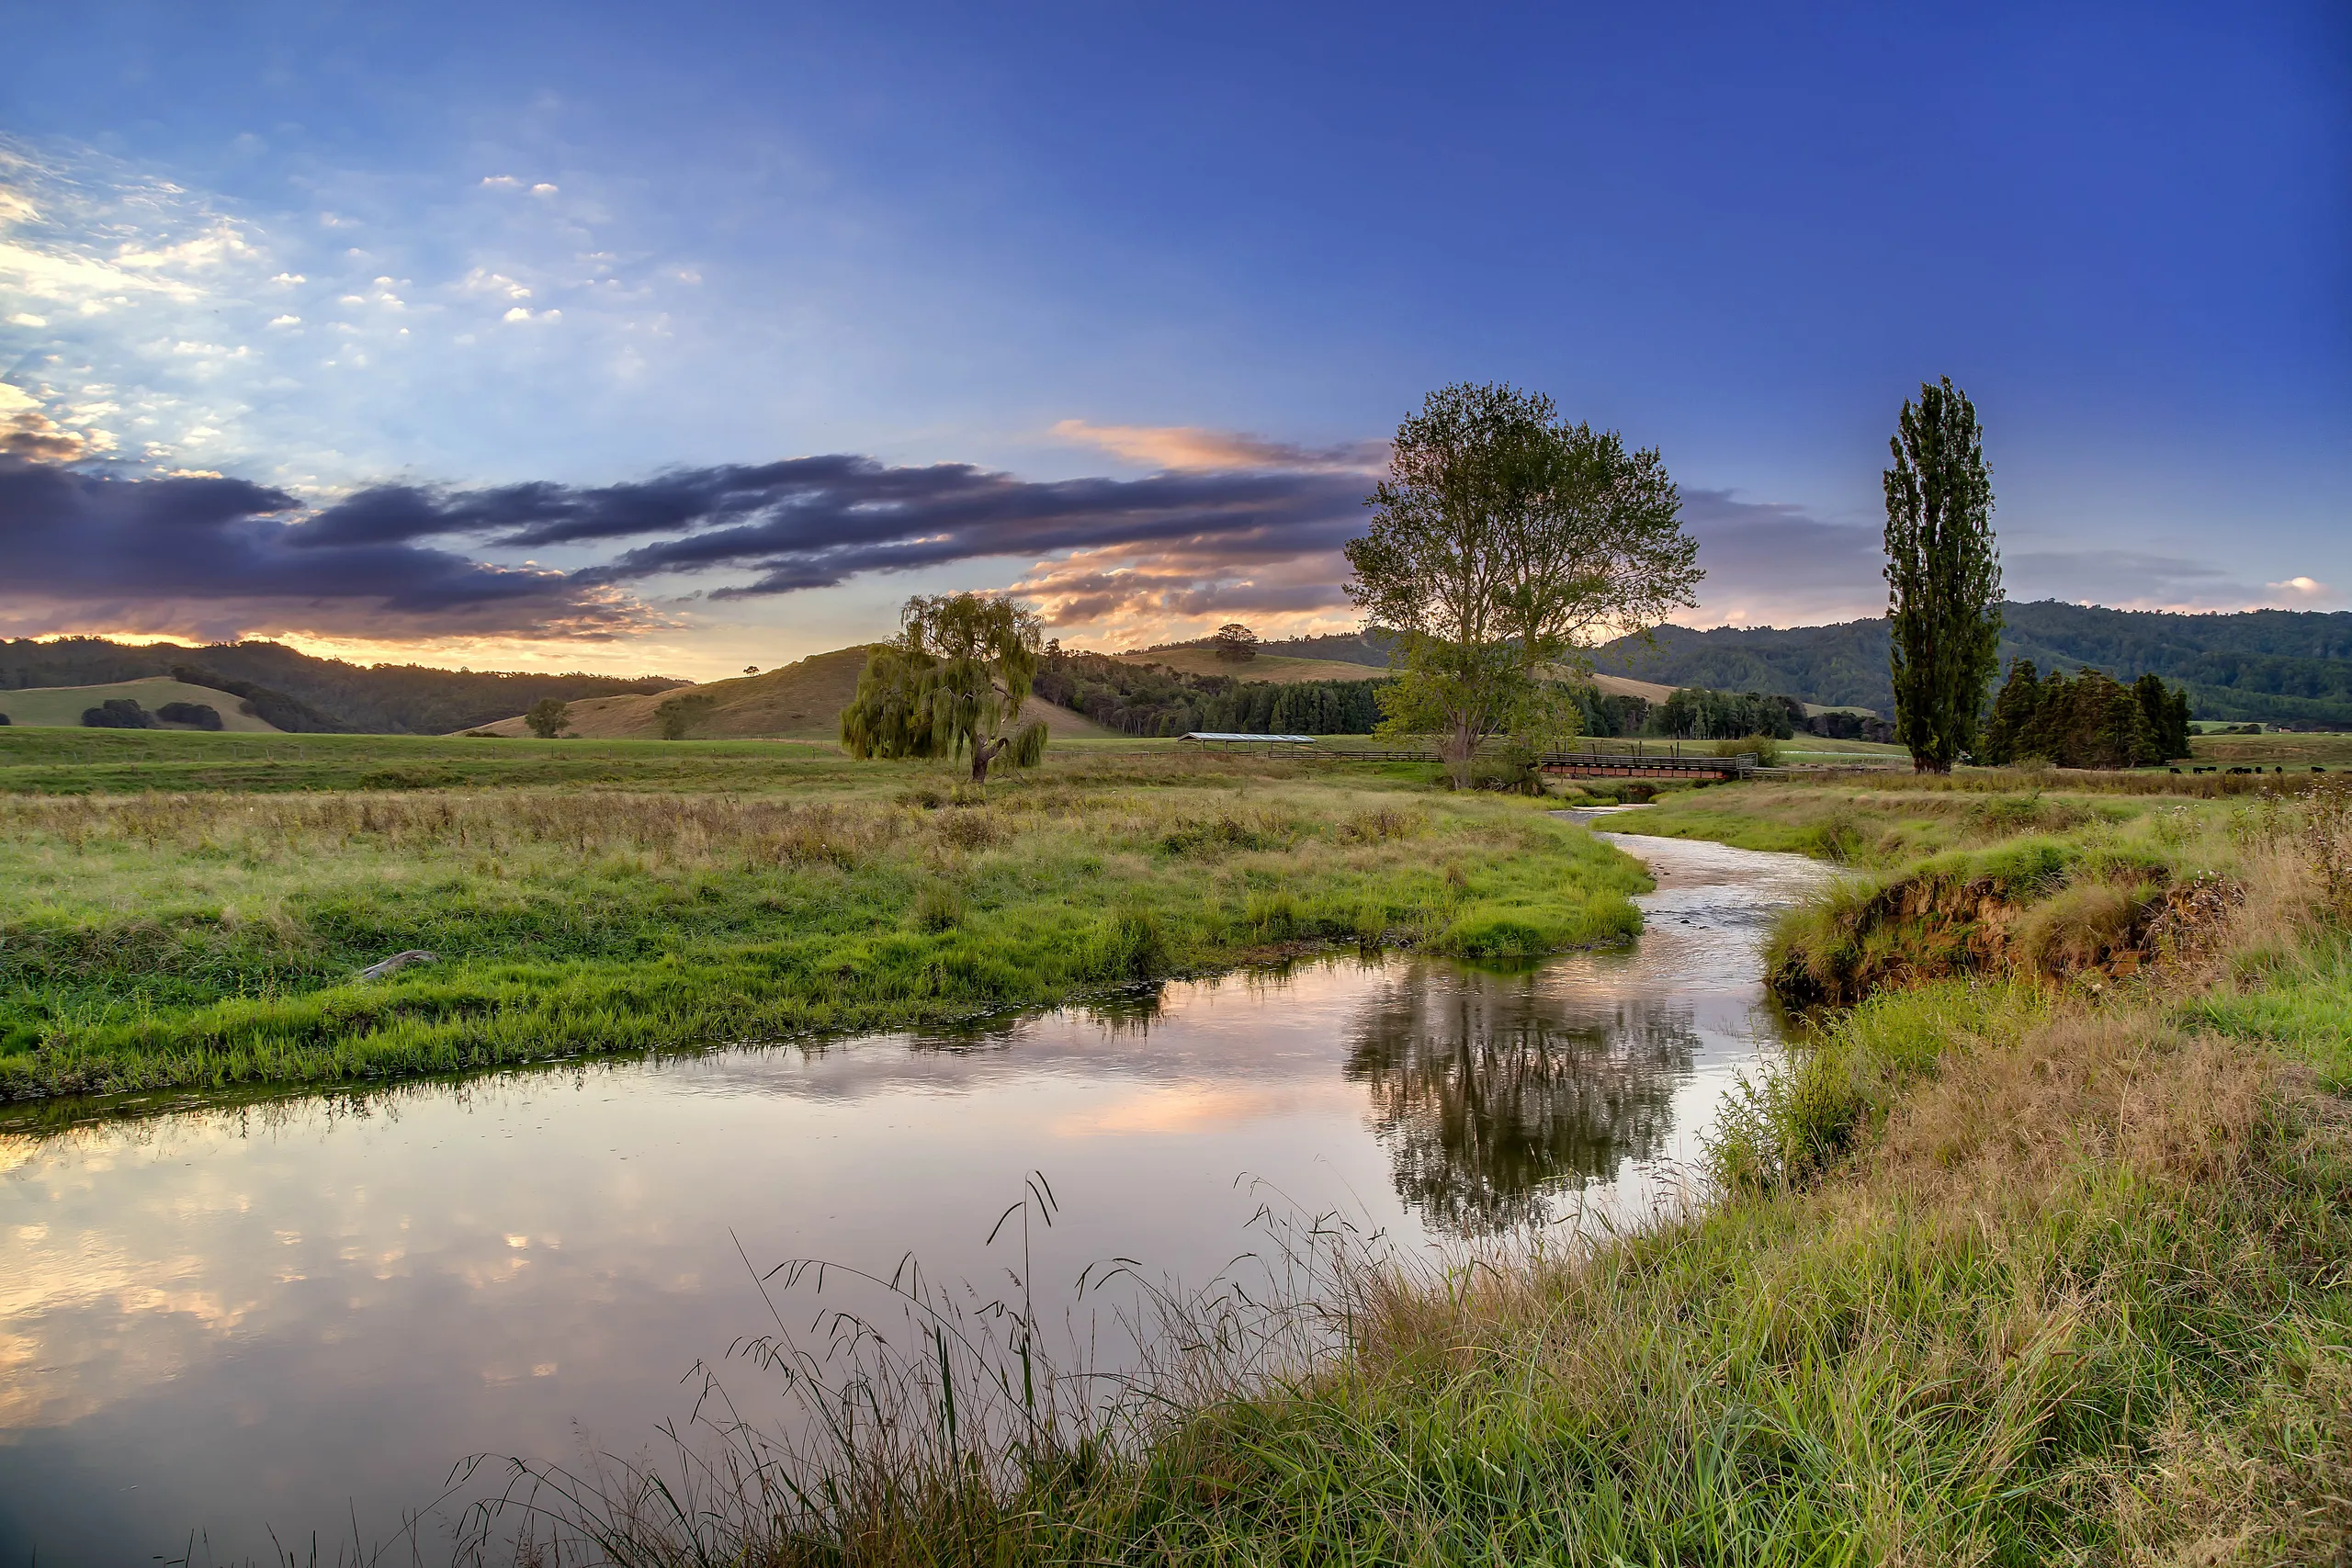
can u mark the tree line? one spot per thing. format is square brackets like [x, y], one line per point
[1152, 699]
[2291, 667]
[2084, 720]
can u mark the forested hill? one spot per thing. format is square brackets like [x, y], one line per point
[295, 691]
[2280, 666]
[1369, 646]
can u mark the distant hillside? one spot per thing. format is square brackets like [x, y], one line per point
[1275, 667]
[2280, 666]
[317, 693]
[1365, 648]
[800, 701]
[64, 705]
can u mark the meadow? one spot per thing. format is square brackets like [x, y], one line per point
[2032, 1250]
[210, 929]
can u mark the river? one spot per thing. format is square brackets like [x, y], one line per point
[239, 1328]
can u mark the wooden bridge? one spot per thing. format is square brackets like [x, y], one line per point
[1646, 765]
[1598, 765]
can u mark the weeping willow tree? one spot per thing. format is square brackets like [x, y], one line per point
[953, 682]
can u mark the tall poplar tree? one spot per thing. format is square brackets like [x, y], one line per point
[1943, 576]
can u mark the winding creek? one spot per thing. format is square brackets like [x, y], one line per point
[240, 1325]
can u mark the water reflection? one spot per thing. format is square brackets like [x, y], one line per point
[1489, 1102]
[297, 1313]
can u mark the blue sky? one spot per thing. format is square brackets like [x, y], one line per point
[1135, 292]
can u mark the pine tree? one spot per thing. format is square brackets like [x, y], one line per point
[2014, 712]
[1943, 576]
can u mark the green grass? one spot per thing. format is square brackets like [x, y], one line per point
[213, 938]
[114, 761]
[2300, 1001]
[1896, 823]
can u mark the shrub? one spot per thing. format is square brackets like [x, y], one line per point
[118, 713]
[938, 907]
[549, 715]
[679, 715]
[200, 716]
[1765, 748]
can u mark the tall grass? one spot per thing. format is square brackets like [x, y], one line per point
[216, 938]
[1997, 1271]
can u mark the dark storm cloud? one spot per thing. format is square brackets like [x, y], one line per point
[211, 553]
[814, 522]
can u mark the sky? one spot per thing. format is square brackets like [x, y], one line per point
[689, 337]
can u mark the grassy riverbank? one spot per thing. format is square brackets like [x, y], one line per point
[2036, 1253]
[215, 938]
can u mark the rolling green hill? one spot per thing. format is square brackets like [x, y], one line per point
[800, 701]
[298, 692]
[1275, 667]
[61, 707]
[2277, 666]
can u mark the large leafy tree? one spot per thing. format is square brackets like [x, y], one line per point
[1503, 542]
[1943, 576]
[953, 682]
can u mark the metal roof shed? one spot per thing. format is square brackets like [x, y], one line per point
[1219, 737]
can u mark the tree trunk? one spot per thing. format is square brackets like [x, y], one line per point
[983, 753]
[1465, 749]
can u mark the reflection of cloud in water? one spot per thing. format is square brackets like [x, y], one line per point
[1490, 1096]
[1194, 1108]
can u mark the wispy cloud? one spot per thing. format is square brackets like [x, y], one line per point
[2136, 580]
[1187, 446]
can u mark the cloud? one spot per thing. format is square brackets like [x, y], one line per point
[29, 432]
[1186, 447]
[219, 558]
[1774, 563]
[815, 521]
[1111, 558]
[2305, 587]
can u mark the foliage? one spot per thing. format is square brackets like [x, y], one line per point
[953, 683]
[2084, 720]
[118, 713]
[1695, 714]
[201, 716]
[678, 716]
[1502, 540]
[1151, 699]
[549, 715]
[2166, 712]
[1235, 643]
[1943, 576]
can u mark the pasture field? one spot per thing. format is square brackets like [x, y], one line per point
[2030, 1251]
[2332, 751]
[61, 707]
[209, 929]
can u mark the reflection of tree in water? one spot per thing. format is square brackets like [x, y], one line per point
[1490, 1096]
